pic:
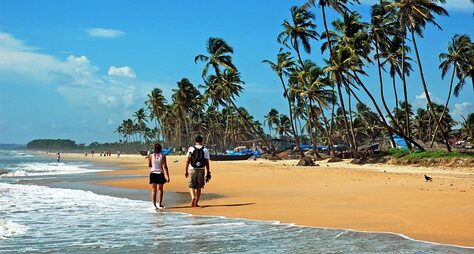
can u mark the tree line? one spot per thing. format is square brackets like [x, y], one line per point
[323, 95]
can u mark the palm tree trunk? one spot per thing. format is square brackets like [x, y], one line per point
[395, 92]
[313, 140]
[443, 133]
[330, 61]
[250, 124]
[445, 105]
[326, 125]
[351, 125]
[291, 116]
[395, 123]
[344, 114]
[377, 108]
[388, 127]
[405, 93]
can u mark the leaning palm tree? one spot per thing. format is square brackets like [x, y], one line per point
[299, 32]
[458, 52]
[414, 15]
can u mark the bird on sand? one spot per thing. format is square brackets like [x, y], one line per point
[428, 179]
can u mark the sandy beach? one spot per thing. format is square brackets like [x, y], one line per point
[376, 197]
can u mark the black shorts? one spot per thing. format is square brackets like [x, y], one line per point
[157, 178]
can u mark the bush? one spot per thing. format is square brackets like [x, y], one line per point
[407, 154]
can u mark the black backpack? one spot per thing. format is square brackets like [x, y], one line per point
[197, 158]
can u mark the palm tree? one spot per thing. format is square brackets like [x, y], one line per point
[156, 105]
[382, 26]
[300, 32]
[140, 121]
[458, 50]
[271, 119]
[340, 7]
[282, 66]
[414, 15]
[313, 86]
[231, 84]
[186, 99]
[219, 56]
[340, 70]
[393, 56]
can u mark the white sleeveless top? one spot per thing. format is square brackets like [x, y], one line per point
[156, 163]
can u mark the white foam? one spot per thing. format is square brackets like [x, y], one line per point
[10, 228]
[41, 169]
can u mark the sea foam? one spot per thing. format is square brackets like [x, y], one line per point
[42, 169]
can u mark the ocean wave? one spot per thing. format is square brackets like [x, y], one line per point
[41, 169]
[10, 229]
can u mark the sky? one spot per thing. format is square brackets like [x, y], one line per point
[75, 69]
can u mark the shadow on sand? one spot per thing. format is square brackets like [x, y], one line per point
[206, 206]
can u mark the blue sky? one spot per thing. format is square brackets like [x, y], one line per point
[76, 69]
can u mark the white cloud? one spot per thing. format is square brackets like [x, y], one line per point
[124, 71]
[75, 77]
[104, 32]
[462, 109]
[421, 101]
[458, 5]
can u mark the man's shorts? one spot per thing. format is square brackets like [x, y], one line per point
[196, 178]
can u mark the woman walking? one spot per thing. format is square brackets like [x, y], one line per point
[158, 168]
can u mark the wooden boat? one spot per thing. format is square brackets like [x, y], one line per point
[226, 157]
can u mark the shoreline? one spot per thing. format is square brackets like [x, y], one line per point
[367, 198]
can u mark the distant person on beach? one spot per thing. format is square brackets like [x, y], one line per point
[118, 154]
[59, 157]
[92, 153]
[197, 159]
[158, 168]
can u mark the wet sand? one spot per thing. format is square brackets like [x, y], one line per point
[376, 197]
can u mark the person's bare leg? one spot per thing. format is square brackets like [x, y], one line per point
[198, 196]
[153, 194]
[160, 194]
[193, 196]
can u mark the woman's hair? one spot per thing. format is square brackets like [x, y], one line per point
[158, 148]
[198, 139]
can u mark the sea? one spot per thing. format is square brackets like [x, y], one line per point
[37, 216]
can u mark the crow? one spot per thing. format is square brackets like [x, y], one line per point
[428, 179]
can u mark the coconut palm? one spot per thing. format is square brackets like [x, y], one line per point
[414, 15]
[393, 57]
[283, 65]
[156, 105]
[299, 32]
[459, 50]
[340, 70]
[314, 86]
[380, 28]
[271, 119]
[219, 56]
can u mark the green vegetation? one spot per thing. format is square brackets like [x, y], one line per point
[67, 145]
[323, 91]
[407, 154]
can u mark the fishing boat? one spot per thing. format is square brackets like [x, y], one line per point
[229, 157]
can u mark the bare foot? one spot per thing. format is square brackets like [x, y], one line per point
[193, 202]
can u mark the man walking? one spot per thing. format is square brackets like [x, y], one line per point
[197, 159]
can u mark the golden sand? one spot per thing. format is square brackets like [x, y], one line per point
[376, 197]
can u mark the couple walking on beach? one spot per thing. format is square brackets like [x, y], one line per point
[197, 160]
